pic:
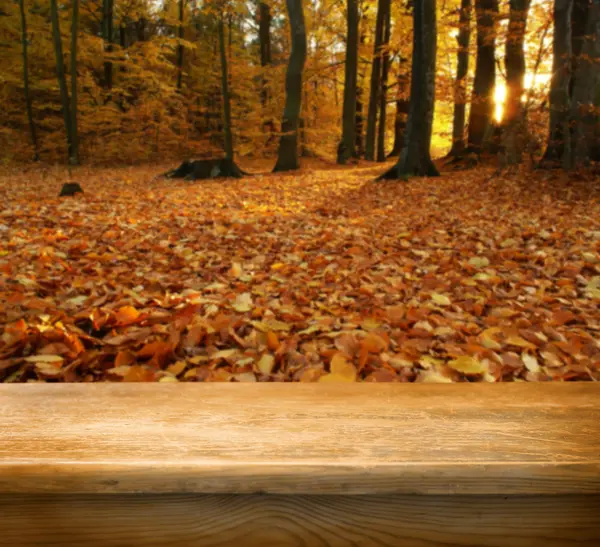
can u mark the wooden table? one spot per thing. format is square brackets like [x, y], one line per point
[413, 465]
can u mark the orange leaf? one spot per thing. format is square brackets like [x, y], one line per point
[272, 341]
[374, 343]
[126, 315]
[124, 358]
[138, 373]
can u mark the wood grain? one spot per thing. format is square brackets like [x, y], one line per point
[300, 439]
[122, 520]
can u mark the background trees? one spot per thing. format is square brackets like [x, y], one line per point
[147, 79]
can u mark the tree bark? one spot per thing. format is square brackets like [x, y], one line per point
[180, 46]
[60, 75]
[287, 157]
[360, 119]
[264, 37]
[225, 91]
[559, 138]
[346, 148]
[385, 68]
[460, 84]
[73, 106]
[32, 131]
[584, 119]
[375, 81]
[415, 158]
[107, 36]
[402, 109]
[482, 102]
[514, 122]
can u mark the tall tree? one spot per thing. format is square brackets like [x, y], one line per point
[385, 69]
[360, 121]
[73, 105]
[415, 158]
[24, 42]
[584, 118]
[225, 90]
[514, 122]
[266, 59]
[559, 135]
[287, 157]
[383, 7]
[460, 85]
[346, 148]
[402, 108]
[62, 80]
[180, 45]
[481, 117]
[107, 37]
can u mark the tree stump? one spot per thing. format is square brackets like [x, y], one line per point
[207, 169]
[70, 189]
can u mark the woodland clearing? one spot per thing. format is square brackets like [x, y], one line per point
[318, 275]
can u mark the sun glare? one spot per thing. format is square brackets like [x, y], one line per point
[499, 98]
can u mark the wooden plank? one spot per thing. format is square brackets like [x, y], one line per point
[301, 439]
[122, 520]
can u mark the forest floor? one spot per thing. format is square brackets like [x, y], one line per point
[320, 275]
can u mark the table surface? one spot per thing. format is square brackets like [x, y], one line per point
[518, 438]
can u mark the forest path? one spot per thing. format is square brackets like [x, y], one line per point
[467, 276]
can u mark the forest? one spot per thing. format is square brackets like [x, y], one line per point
[308, 190]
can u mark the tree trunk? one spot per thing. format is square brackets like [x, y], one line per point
[558, 140]
[460, 84]
[514, 122]
[583, 116]
[24, 43]
[264, 36]
[346, 148]
[73, 106]
[415, 158]
[141, 29]
[60, 75]
[375, 81]
[481, 117]
[107, 36]
[225, 91]
[287, 157]
[360, 119]
[180, 46]
[385, 68]
[402, 109]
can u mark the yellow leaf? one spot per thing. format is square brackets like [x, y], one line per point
[48, 369]
[266, 363]
[243, 302]
[434, 377]
[168, 379]
[531, 362]
[520, 342]
[441, 299]
[487, 338]
[177, 368]
[479, 262]
[370, 323]
[341, 370]
[44, 359]
[468, 365]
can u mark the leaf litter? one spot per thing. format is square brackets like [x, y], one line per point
[317, 276]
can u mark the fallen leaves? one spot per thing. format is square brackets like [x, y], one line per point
[320, 277]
